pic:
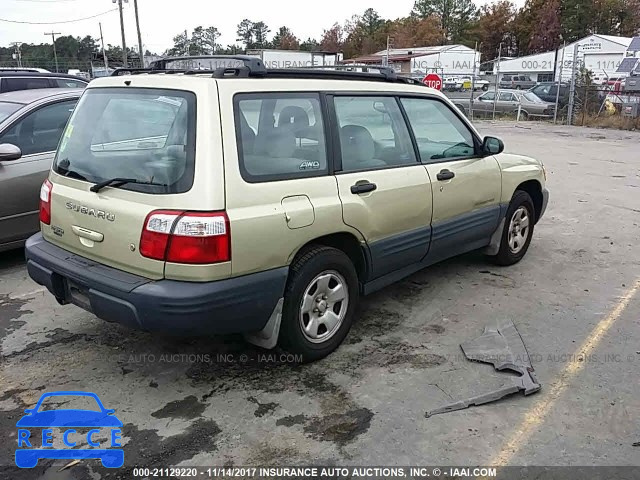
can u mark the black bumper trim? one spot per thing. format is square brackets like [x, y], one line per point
[234, 305]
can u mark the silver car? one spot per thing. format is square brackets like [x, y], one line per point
[31, 124]
[509, 101]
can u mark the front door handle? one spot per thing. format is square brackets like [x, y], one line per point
[363, 188]
[445, 175]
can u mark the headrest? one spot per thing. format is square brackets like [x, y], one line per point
[280, 144]
[293, 117]
[357, 144]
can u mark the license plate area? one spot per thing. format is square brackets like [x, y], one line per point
[78, 295]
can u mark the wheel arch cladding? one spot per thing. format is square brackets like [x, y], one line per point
[534, 189]
[345, 242]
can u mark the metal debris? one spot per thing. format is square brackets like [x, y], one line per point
[503, 347]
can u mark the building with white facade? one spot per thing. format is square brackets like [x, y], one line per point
[448, 60]
[602, 54]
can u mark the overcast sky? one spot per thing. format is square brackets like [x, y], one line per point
[161, 20]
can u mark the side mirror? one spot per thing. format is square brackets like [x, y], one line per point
[492, 146]
[9, 151]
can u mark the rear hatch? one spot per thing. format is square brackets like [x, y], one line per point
[145, 137]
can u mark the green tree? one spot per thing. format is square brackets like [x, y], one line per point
[210, 39]
[245, 33]
[456, 17]
[260, 32]
[309, 45]
[180, 46]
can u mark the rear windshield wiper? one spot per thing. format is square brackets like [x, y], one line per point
[118, 182]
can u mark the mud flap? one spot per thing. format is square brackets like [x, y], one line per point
[268, 336]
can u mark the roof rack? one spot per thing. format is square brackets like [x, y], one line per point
[254, 67]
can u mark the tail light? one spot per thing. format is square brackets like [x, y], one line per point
[45, 202]
[186, 237]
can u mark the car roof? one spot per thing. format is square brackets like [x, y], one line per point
[31, 73]
[29, 96]
[267, 84]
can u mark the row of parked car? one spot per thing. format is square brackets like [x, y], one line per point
[34, 109]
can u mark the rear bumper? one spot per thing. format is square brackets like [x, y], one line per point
[235, 305]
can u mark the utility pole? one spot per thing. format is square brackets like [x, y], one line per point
[140, 51]
[555, 112]
[104, 52]
[497, 91]
[572, 89]
[124, 42]
[186, 43]
[473, 80]
[18, 54]
[53, 40]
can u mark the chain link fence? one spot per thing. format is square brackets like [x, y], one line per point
[94, 68]
[611, 104]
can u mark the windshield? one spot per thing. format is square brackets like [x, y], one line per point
[135, 133]
[7, 109]
[532, 97]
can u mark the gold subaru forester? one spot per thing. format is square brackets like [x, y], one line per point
[227, 198]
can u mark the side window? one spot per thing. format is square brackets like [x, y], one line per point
[439, 132]
[13, 84]
[68, 83]
[506, 97]
[280, 136]
[40, 131]
[373, 133]
[487, 97]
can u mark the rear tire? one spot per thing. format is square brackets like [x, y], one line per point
[485, 88]
[517, 231]
[319, 302]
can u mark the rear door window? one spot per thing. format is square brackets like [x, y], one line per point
[134, 133]
[280, 136]
[24, 83]
[373, 133]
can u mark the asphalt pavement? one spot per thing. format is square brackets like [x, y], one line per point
[220, 401]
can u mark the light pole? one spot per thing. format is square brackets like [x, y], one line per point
[53, 40]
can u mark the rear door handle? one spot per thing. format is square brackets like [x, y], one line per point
[445, 175]
[363, 188]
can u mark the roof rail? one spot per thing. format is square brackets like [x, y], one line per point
[253, 66]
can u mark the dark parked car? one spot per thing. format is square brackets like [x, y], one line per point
[27, 79]
[31, 124]
[548, 91]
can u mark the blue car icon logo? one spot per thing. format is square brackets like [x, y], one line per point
[31, 448]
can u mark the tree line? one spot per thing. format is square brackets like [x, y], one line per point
[540, 25]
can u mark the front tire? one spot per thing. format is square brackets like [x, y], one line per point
[319, 302]
[517, 231]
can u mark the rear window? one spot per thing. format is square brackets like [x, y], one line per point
[69, 83]
[7, 109]
[134, 133]
[280, 136]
